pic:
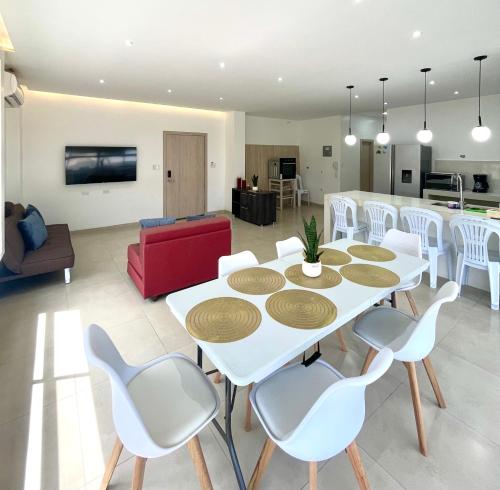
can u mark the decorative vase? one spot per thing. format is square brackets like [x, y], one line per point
[255, 188]
[311, 269]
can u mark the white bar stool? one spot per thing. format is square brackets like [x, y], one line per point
[473, 251]
[411, 340]
[313, 413]
[341, 206]
[376, 216]
[157, 407]
[419, 221]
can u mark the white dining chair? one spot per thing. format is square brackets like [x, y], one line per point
[302, 192]
[227, 265]
[291, 246]
[341, 207]
[420, 221]
[157, 407]
[377, 214]
[412, 340]
[313, 413]
[410, 244]
[471, 236]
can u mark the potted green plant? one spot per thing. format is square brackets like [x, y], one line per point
[311, 265]
[255, 181]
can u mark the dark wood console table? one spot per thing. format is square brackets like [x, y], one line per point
[257, 207]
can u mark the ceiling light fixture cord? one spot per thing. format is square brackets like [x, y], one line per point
[425, 100]
[479, 98]
[383, 108]
[350, 109]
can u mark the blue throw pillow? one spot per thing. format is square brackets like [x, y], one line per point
[152, 222]
[33, 230]
[32, 209]
[196, 217]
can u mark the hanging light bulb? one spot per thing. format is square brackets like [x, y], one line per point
[425, 135]
[383, 137]
[480, 133]
[350, 139]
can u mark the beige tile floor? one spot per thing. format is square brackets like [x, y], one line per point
[56, 428]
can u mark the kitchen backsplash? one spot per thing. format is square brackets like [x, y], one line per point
[491, 168]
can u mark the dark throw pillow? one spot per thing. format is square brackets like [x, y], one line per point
[32, 209]
[33, 230]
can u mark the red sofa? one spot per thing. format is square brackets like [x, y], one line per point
[177, 256]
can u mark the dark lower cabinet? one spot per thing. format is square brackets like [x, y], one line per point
[257, 207]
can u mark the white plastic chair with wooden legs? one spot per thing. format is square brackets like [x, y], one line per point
[377, 214]
[410, 244]
[227, 265]
[157, 407]
[294, 245]
[313, 413]
[341, 207]
[411, 340]
[472, 251]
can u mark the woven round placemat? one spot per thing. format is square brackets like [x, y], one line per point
[328, 278]
[256, 280]
[370, 275]
[334, 257]
[302, 309]
[223, 320]
[371, 252]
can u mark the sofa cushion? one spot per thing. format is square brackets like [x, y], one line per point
[14, 243]
[32, 209]
[33, 230]
[9, 206]
[55, 254]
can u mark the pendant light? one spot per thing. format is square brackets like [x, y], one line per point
[383, 137]
[350, 139]
[480, 133]
[425, 135]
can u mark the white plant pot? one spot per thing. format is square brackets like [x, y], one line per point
[311, 270]
[255, 188]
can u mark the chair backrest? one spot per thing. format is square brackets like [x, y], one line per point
[300, 186]
[405, 243]
[419, 221]
[289, 246]
[236, 262]
[475, 233]
[341, 206]
[336, 417]
[418, 341]
[376, 214]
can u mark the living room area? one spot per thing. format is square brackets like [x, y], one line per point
[195, 291]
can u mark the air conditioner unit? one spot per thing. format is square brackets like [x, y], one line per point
[12, 92]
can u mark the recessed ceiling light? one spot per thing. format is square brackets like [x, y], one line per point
[101, 81]
[222, 65]
[280, 79]
[129, 43]
[356, 96]
[221, 98]
[456, 92]
[432, 82]
[169, 90]
[416, 34]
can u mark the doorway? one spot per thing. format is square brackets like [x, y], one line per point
[184, 173]
[366, 166]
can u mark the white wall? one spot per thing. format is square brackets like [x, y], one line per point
[270, 131]
[235, 152]
[13, 158]
[2, 158]
[52, 121]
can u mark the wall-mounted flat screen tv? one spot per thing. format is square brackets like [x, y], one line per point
[97, 164]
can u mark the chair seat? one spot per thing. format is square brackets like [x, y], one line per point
[297, 388]
[385, 327]
[174, 399]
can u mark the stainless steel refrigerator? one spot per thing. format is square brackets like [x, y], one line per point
[400, 169]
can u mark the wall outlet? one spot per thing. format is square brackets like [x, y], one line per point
[105, 191]
[156, 166]
[212, 164]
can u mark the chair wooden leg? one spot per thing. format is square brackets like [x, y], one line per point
[313, 475]
[417, 406]
[217, 378]
[434, 382]
[200, 466]
[138, 478]
[357, 466]
[394, 299]
[111, 465]
[260, 467]
[368, 359]
[340, 338]
[413, 305]
[248, 415]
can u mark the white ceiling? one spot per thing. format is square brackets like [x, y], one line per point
[318, 47]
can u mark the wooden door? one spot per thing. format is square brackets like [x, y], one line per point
[366, 166]
[184, 163]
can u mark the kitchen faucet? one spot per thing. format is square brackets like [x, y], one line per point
[461, 190]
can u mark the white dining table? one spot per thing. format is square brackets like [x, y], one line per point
[273, 344]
